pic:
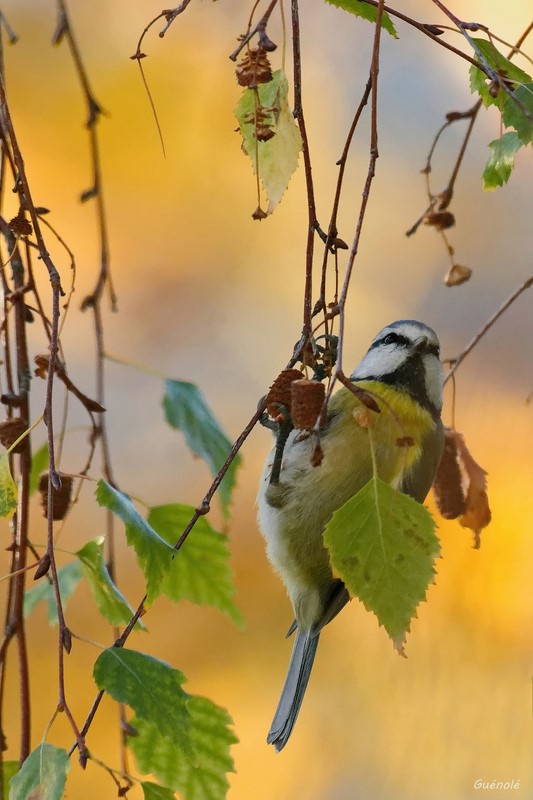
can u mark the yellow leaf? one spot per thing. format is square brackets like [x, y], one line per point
[8, 490]
[275, 158]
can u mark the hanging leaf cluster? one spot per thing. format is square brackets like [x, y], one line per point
[181, 739]
[512, 94]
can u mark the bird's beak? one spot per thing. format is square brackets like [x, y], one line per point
[420, 344]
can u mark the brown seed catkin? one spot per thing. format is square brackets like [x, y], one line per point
[254, 68]
[60, 497]
[307, 402]
[280, 391]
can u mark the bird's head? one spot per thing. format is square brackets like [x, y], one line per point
[406, 354]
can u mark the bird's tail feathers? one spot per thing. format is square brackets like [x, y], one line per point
[301, 663]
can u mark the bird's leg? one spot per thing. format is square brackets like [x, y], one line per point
[266, 422]
[285, 426]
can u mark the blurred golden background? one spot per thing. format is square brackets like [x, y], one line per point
[208, 295]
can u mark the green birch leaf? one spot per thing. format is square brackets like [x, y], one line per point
[8, 490]
[480, 83]
[68, 578]
[277, 158]
[153, 553]
[110, 601]
[39, 464]
[152, 688]
[514, 117]
[200, 775]
[186, 410]
[501, 162]
[382, 544]
[200, 571]
[500, 63]
[364, 11]
[9, 769]
[152, 791]
[42, 776]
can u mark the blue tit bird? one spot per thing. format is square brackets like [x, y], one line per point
[402, 372]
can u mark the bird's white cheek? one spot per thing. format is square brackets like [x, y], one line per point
[379, 361]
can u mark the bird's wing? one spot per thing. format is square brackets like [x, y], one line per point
[336, 601]
[419, 479]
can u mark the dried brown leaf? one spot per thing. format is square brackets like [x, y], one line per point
[457, 275]
[42, 362]
[448, 483]
[441, 220]
[20, 225]
[10, 430]
[476, 514]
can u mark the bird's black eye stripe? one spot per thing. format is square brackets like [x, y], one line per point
[404, 341]
[392, 338]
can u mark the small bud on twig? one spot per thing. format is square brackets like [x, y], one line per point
[318, 455]
[67, 640]
[128, 729]
[42, 567]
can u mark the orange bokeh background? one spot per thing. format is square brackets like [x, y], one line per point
[208, 295]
